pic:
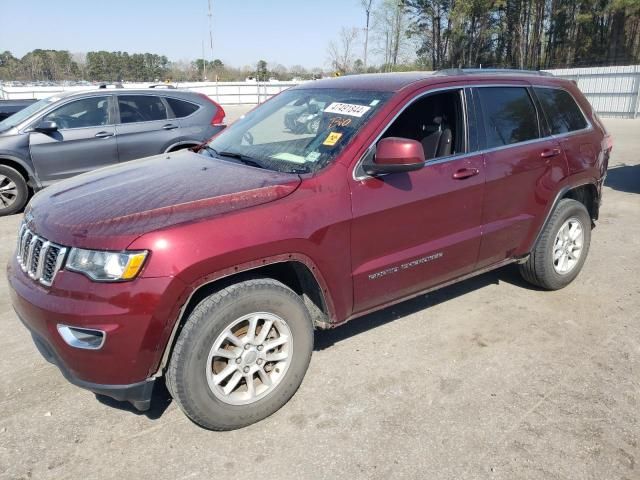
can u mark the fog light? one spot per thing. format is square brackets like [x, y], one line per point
[86, 338]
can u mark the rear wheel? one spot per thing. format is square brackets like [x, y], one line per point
[14, 192]
[241, 355]
[562, 248]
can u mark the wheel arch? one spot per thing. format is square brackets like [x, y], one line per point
[585, 193]
[296, 271]
[22, 167]
[180, 145]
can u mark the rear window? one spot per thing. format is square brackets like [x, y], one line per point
[141, 108]
[561, 110]
[181, 108]
[509, 115]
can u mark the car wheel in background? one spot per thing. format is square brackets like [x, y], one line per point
[14, 192]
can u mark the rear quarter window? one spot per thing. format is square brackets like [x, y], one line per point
[561, 110]
[182, 108]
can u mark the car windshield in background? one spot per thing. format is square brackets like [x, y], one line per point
[25, 113]
[299, 130]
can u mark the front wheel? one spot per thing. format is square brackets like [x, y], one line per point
[562, 248]
[241, 355]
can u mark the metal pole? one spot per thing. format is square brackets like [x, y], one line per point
[637, 105]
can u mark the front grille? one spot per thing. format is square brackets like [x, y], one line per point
[38, 257]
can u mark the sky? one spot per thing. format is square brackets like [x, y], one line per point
[289, 32]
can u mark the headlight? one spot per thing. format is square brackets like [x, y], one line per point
[106, 266]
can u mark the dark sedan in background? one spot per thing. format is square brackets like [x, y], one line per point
[9, 107]
[72, 133]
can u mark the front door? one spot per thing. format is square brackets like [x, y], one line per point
[85, 140]
[415, 230]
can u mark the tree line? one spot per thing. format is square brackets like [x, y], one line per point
[103, 66]
[529, 34]
[397, 35]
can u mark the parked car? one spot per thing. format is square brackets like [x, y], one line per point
[213, 269]
[71, 133]
[9, 107]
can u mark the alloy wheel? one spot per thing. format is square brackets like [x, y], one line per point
[249, 358]
[567, 246]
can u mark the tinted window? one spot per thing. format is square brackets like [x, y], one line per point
[141, 108]
[87, 112]
[561, 110]
[181, 108]
[509, 115]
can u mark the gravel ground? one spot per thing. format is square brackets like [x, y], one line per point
[489, 378]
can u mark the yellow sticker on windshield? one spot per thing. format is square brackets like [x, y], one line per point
[332, 139]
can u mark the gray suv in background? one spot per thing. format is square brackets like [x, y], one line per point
[71, 133]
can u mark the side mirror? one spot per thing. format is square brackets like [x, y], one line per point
[46, 126]
[395, 154]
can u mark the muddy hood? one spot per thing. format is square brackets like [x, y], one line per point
[110, 207]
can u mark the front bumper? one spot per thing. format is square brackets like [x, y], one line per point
[137, 318]
[139, 394]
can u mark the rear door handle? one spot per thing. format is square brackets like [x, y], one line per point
[552, 152]
[104, 134]
[466, 173]
[170, 126]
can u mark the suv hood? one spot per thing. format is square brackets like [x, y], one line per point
[111, 207]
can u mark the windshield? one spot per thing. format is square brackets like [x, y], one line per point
[25, 113]
[298, 131]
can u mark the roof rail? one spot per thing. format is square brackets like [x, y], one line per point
[162, 85]
[491, 71]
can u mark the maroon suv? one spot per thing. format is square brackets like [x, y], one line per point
[213, 268]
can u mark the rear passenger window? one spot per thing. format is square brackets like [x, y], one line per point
[181, 108]
[141, 108]
[509, 115]
[561, 110]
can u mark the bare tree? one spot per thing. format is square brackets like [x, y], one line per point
[341, 51]
[366, 4]
[390, 24]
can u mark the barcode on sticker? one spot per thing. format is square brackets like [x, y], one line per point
[347, 109]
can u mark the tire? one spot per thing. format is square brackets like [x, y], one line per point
[14, 192]
[545, 267]
[194, 368]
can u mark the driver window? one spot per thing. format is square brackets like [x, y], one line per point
[86, 112]
[436, 121]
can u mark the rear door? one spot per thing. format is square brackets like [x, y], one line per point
[145, 127]
[523, 168]
[414, 230]
[85, 139]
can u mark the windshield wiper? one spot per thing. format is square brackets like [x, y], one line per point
[246, 159]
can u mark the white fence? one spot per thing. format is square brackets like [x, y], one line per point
[225, 93]
[613, 91]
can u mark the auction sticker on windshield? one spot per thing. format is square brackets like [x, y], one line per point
[347, 109]
[332, 139]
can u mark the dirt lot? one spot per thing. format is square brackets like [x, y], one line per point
[486, 379]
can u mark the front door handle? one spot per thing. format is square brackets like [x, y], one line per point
[465, 173]
[104, 134]
[169, 126]
[552, 152]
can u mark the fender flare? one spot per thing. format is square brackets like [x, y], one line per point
[559, 196]
[246, 267]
